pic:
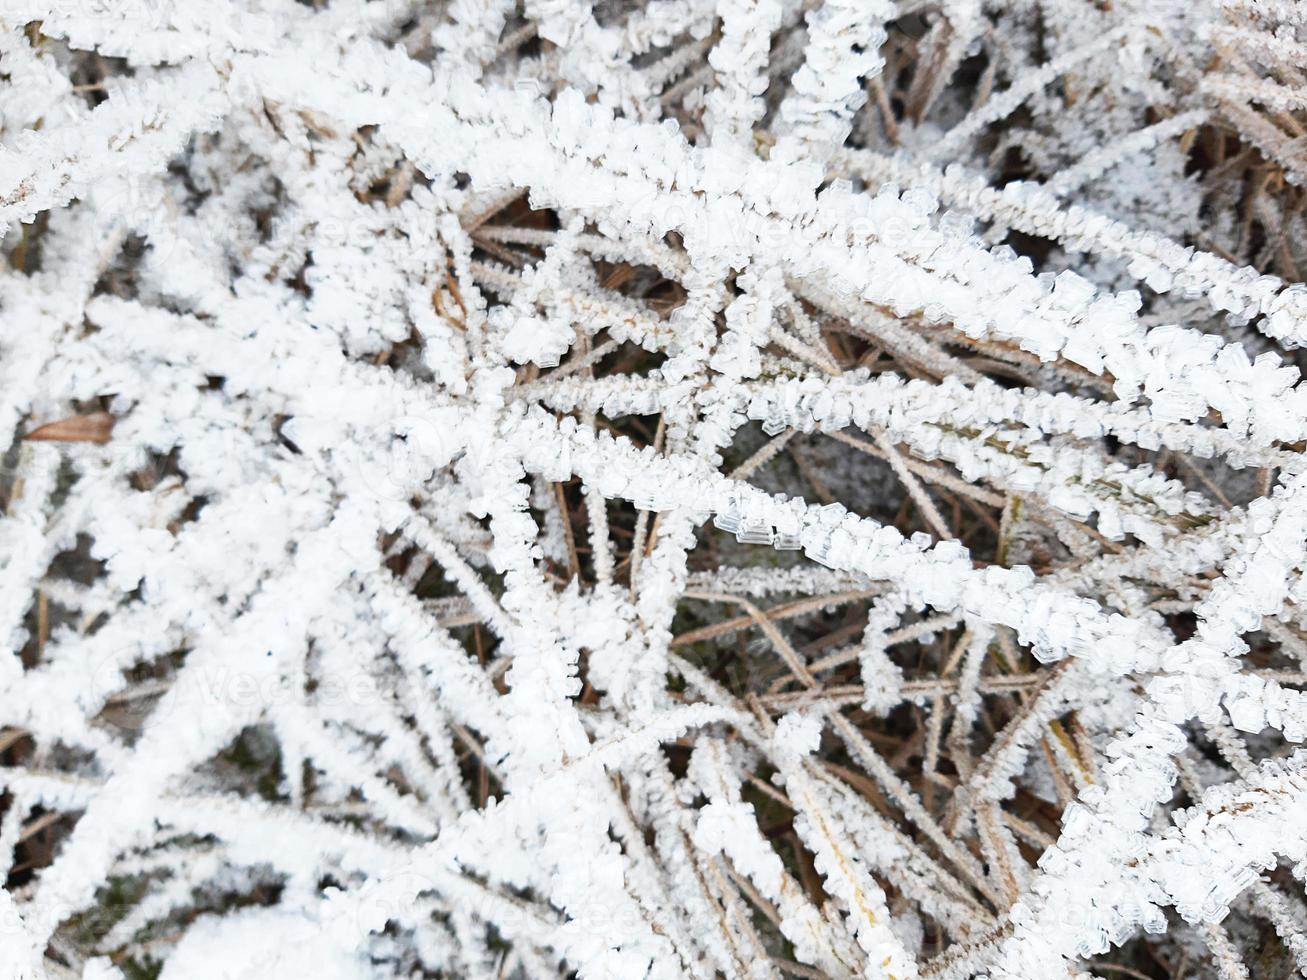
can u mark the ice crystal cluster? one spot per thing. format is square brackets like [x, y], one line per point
[639, 491]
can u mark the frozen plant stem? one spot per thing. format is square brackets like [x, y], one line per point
[689, 488]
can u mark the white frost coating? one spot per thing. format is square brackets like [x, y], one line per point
[395, 396]
[798, 734]
[261, 943]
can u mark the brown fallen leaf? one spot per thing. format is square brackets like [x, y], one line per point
[95, 427]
